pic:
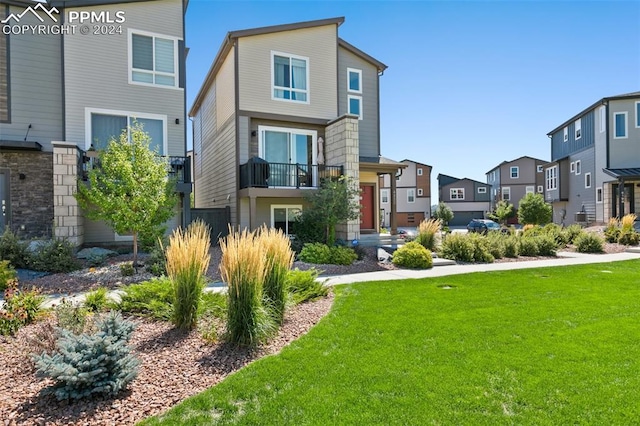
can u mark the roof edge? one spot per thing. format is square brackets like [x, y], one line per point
[351, 48]
[286, 27]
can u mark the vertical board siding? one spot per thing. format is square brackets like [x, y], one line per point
[368, 126]
[561, 149]
[319, 44]
[97, 72]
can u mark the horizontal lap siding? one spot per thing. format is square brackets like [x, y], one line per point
[624, 153]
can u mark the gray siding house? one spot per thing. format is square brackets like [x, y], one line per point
[66, 93]
[281, 109]
[594, 173]
[467, 198]
[512, 180]
[413, 194]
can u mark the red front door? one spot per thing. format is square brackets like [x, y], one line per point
[366, 204]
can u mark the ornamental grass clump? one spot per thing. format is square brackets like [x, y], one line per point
[276, 247]
[427, 231]
[187, 262]
[628, 236]
[243, 268]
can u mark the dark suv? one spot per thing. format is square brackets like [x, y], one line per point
[482, 226]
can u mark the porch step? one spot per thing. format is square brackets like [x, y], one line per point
[378, 240]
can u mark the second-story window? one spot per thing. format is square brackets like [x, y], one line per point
[456, 193]
[290, 77]
[419, 171]
[411, 195]
[506, 193]
[620, 125]
[153, 60]
[105, 125]
[482, 190]
[578, 128]
[551, 178]
[384, 196]
[515, 172]
[354, 89]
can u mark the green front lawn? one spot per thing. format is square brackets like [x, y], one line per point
[539, 346]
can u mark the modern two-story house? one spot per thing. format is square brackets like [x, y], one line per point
[88, 70]
[594, 173]
[282, 108]
[467, 198]
[413, 194]
[512, 180]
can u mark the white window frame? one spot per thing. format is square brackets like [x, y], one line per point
[505, 193]
[572, 167]
[566, 134]
[540, 168]
[359, 98]
[420, 192]
[626, 125]
[551, 178]
[459, 193]
[603, 119]
[357, 71]
[599, 195]
[482, 190]
[275, 53]
[411, 195]
[419, 171]
[540, 189]
[517, 170]
[587, 180]
[129, 115]
[384, 193]
[283, 206]
[637, 105]
[176, 67]
[530, 189]
[577, 128]
[578, 167]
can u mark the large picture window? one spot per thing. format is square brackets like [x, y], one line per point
[290, 77]
[551, 178]
[456, 193]
[105, 125]
[283, 217]
[153, 59]
[291, 153]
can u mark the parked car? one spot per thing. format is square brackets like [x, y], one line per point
[483, 226]
[406, 234]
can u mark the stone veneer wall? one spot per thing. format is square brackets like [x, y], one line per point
[69, 223]
[342, 148]
[31, 198]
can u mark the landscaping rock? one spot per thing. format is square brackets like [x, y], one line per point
[88, 253]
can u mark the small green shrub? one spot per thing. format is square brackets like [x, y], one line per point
[127, 269]
[54, 256]
[413, 255]
[589, 242]
[511, 246]
[96, 300]
[342, 255]
[95, 260]
[481, 250]
[457, 247]
[7, 274]
[14, 250]
[571, 232]
[156, 262]
[528, 245]
[152, 298]
[304, 286]
[496, 242]
[317, 253]
[547, 245]
[612, 231]
[20, 308]
[628, 237]
[307, 228]
[91, 364]
[71, 316]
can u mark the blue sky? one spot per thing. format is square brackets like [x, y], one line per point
[469, 84]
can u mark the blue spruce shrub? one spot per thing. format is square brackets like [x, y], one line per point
[91, 364]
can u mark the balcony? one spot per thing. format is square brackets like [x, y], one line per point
[258, 173]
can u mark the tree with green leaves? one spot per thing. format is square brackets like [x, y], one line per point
[503, 211]
[444, 213]
[533, 210]
[130, 190]
[334, 202]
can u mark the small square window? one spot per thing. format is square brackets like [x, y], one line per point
[419, 171]
[290, 77]
[540, 189]
[515, 172]
[355, 105]
[420, 192]
[539, 169]
[456, 193]
[354, 80]
[482, 190]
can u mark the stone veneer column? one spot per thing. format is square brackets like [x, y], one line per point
[342, 148]
[68, 220]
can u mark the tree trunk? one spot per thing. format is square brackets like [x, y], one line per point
[135, 251]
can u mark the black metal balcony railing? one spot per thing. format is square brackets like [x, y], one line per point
[258, 173]
[179, 167]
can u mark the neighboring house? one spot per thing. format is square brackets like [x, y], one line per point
[512, 180]
[282, 108]
[593, 155]
[413, 195]
[64, 93]
[467, 198]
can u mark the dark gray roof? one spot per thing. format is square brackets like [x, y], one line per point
[598, 103]
[20, 145]
[512, 161]
[629, 173]
[381, 160]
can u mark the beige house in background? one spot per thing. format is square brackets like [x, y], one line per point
[281, 109]
[413, 195]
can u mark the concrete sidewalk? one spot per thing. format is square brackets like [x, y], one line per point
[442, 267]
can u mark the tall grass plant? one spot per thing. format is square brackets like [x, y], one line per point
[279, 257]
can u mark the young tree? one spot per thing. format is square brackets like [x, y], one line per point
[130, 190]
[504, 210]
[444, 213]
[533, 210]
[335, 201]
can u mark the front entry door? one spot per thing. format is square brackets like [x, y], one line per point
[628, 199]
[4, 200]
[366, 204]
